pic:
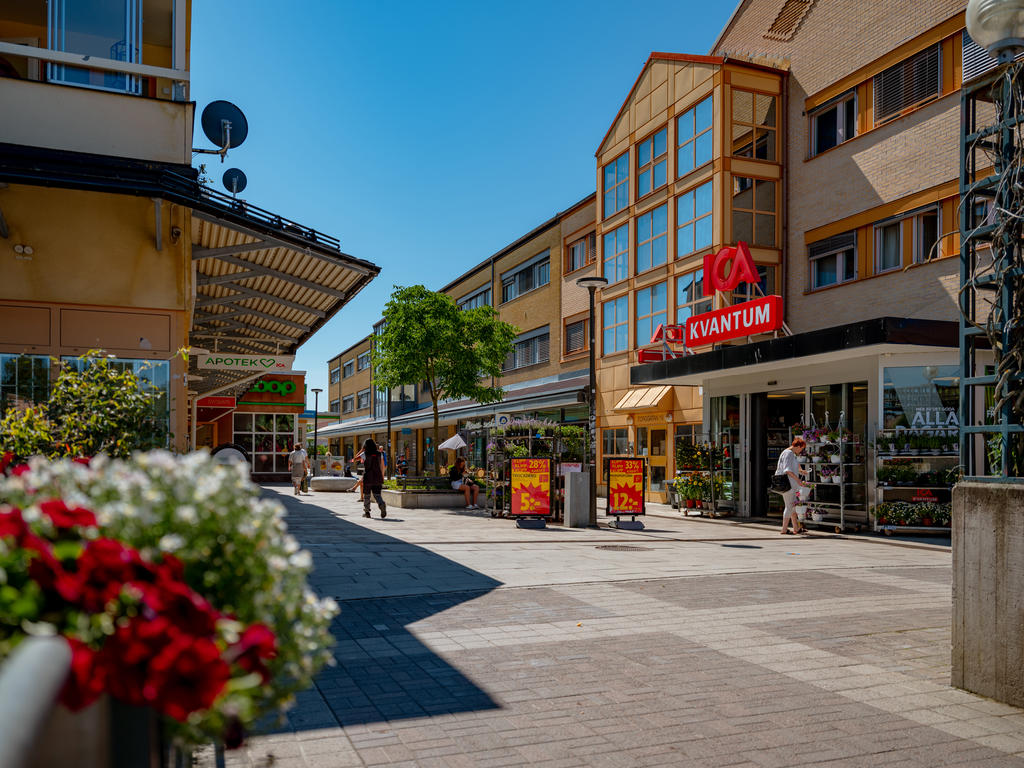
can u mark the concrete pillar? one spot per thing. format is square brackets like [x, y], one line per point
[988, 590]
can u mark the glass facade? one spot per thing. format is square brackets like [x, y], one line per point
[24, 380]
[268, 438]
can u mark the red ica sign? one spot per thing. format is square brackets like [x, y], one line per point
[743, 269]
[747, 319]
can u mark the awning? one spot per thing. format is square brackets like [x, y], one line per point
[823, 346]
[642, 398]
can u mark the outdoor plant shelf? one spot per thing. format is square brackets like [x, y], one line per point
[915, 474]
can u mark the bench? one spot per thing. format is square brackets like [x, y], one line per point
[424, 483]
[425, 493]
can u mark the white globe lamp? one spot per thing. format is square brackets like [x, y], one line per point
[997, 26]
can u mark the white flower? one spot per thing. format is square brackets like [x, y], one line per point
[301, 559]
[172, 542]
[187, 514]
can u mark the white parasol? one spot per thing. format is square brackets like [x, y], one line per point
[452, 444]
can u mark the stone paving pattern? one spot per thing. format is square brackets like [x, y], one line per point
[464, 641]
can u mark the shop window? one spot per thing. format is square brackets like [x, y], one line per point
[348, 369]
[652, 238]
[529, 348]
[616, 254]
[651, 311]
[754, 119]
[267, 437]
[765, 286]
[693, 137]
[615, 441]
[335, 375]
[651, 163]
[833, 260]
[478, 299]
[922, 399]
[24, 380]
[753, 211]
[693, 220]
[363, 361]
[363, 400]
[534, 274]
[616, 185]
[348, 404]
[616, 325]
[834, 123]
[888, 246]
[690, 298]
[580, 253]
[577, 336]
[908, 84]
[154, 379]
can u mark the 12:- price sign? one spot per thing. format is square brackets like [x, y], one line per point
[626, 486]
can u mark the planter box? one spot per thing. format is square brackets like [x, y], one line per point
[424, 499]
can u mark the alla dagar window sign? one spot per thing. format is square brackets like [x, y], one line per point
[761, 315]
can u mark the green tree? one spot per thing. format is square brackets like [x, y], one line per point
[426, 338]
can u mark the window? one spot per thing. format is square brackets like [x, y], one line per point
[765, 286]
[533, 274]
[108, 30]
[834, 123]
[577, 336]
[693, 137]
[363, 361]
[348, 404]
[926, 236]
[753, 125]
[908, 84]
[616, 254]
[753, 211]
[580, 253]
[348, 369]
[693, 220]
[335, 375]
[616, 185]
[154, 378]
[651, 163]
[833, 260]
[616, 325]
[363, 400]
[616, 441]
[24, 380]
[652, 238]
[651, 311]
[888, 246]
[267, 437]
[528, 349]
[335, 406]
[481, 298]
[690, 298]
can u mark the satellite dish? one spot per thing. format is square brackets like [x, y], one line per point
[224, 124]
[234, 180]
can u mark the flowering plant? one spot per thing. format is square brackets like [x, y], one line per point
[175, 584]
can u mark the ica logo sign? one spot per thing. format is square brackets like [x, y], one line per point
[742, 269]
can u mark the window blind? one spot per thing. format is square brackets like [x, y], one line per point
[834, 243]
[910, 82]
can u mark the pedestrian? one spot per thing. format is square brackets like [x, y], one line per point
[373, 478]
[298, 463]
[460, 482]
[789, 466]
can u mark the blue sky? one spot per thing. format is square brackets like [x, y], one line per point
[425, 136]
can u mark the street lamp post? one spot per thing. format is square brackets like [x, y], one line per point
[592, 283]
[316, 415]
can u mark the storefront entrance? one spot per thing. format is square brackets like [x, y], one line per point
[652, 442]
[772, 416]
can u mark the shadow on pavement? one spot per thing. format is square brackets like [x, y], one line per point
[383, 585]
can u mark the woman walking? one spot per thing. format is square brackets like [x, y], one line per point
[789, 465]
[373, 478]
[298, 463]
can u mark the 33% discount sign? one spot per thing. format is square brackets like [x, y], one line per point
[625, 486]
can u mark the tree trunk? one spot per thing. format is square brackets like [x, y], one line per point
[437, 451]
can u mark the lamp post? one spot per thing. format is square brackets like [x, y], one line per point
[316, 415]
[997, 26]
[592, 283]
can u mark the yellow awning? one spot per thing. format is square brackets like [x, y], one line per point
[642, 398]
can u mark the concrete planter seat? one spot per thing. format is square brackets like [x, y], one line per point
[324, 483]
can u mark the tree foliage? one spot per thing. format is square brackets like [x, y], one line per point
[427, 338]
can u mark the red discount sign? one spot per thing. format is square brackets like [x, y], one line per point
[530, 487]
[625, 486]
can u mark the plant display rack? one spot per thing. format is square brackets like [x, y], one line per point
[836, 454]
[921, 466]
[706, 477]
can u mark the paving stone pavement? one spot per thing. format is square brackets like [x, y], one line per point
[464, 641]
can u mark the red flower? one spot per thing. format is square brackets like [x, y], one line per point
[19, 470]
[256, 643]
[186, 676]
[51, 576]
[86, 680]
[13, 524]
[127, 655]
[64, 516]
[82, 460]
[175, 602]
[104, 567]
[6, 460]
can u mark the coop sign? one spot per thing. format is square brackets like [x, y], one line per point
[224, 362]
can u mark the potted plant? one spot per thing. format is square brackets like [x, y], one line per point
[817, 515]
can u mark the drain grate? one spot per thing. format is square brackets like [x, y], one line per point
[621, 547]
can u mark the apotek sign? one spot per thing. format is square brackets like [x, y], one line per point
[221, 362]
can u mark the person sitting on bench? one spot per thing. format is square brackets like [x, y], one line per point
[460, 482]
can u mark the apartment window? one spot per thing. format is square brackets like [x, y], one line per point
[834, 123]
[693, 220]
[652, 238]
[335, 375]
[529, 349]
[109, 30]
[616, 325]
[348, 369]
[616, 441]
[888, 246]
[526, 277]
[363, 399]
[651, 311]
[693, 137]
[577, 336]
[616, 254]
[690, 298]
[24, 380]
[926, 236]
[753, 211]
[753, 125]
[481, 298]
[335, 406]
[348, 404]
[651, 163]
[765, 286]
[616, 185]
[908, 84]
[834, 260]
[581, 253]
[363, 361]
